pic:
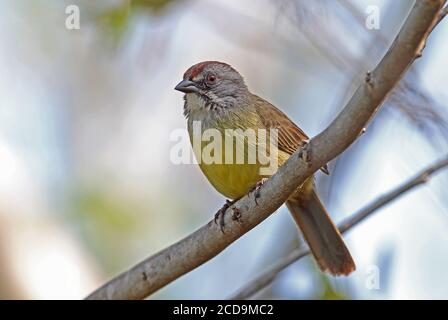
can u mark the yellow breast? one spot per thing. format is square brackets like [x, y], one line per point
[233, 176]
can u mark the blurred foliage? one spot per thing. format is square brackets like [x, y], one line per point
[154, 6]
[109, 224]
[115, 22]
[106, 210]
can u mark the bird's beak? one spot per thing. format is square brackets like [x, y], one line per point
[186, 86]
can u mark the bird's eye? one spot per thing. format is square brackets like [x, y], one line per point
[210, 79]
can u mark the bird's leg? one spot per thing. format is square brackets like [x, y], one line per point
[219, 216]
[256, 189]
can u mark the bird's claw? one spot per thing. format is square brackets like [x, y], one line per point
[305, 151]
[236, 216]
[219, 216]
[305, 155]
[256, 189]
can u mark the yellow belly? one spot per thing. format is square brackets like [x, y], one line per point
[232, 180]
[235, 180]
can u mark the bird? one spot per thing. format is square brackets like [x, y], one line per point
[217, 98]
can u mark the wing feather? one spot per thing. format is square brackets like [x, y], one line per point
[290, 136]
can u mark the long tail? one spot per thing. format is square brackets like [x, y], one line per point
[323, 238]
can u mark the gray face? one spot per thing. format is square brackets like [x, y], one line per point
[217, 84]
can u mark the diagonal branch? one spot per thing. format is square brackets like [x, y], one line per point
[202, 245]
[264, 279]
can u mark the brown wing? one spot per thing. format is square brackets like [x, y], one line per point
[290, 136]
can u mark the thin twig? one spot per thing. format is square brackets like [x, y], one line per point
[202, 245]
[263, 280]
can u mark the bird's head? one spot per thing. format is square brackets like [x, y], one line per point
[217, 85]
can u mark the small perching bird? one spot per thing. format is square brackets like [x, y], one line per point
[216, 97]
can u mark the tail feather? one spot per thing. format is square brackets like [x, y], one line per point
[324, 239]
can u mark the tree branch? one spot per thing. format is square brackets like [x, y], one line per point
[268, 276]
[204, 244]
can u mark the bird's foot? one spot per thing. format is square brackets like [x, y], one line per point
[236, 215]
[305, 151]
[256, 189]
[305, 155]
[219, 216]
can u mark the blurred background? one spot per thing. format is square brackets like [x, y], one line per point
[87, 188]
